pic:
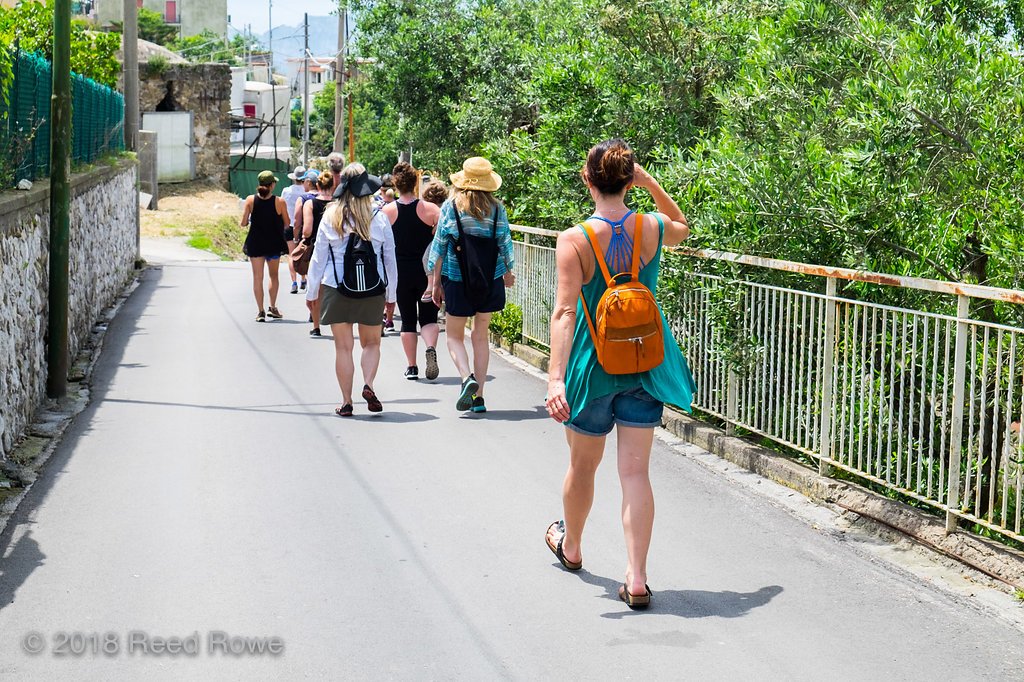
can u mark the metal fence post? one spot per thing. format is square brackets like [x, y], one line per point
[956, 430]
[732, 402]
[827, 384]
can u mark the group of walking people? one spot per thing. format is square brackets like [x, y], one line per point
[370, 255]
[614, 363]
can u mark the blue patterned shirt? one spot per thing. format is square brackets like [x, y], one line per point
[447, 234]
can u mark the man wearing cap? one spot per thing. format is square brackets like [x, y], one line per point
[291, 194]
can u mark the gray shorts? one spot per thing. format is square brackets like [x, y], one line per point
[336, 308]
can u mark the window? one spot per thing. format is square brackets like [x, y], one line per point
[171, 12]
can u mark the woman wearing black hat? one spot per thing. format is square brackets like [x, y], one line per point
[265, 215]
[354, 260]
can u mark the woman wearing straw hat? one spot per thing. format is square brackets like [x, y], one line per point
[265, 215]
[354, 260]
[471, 257]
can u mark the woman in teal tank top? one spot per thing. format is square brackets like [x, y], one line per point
[581, 395]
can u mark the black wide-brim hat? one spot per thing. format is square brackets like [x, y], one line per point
[362, 185]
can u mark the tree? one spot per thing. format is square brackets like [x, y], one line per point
[29, 26]
[153, 28]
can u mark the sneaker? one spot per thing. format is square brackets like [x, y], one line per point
[478, 404]
[389, 325]
[295, 287]
[261, 317]
[469, 387]
[303, 285]
[432, 370]
[274, 313]
[412, 373]
[315, 331]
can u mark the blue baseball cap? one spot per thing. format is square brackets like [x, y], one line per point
[312, 174]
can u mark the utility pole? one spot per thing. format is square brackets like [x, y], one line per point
[130, 34]
[351, 127]
[130, 38]
[305, 93]
[60, 203]
[270, 68]
[339, 82]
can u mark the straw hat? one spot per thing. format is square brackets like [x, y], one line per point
[477, 174]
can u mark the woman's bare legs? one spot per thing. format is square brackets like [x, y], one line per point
[480, 338]
[585, 453]
[274, 265]
[409, 342]
[369, 361]
[634, 446]
[315, 314]
[343, 365]
[455, 331]
[257, 280]
[291, 263]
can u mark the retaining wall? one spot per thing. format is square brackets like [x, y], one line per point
[102, 260]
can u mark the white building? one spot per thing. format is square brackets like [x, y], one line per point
[270, 106]
[321, 72]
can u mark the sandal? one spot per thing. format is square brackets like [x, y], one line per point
[344, 411]
[372, 402]
[427, 297]
[635, 601]
[557, 548]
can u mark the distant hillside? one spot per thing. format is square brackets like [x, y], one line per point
[287, 43]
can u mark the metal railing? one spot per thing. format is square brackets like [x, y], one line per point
[923, 403]
[98, 120]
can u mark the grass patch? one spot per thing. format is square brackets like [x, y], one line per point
[223, 237]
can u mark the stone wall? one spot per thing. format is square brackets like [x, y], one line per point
[102, 260]
[205, 90]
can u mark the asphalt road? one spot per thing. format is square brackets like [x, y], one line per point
[210, 489]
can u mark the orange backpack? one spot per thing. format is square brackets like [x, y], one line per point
[626, 327]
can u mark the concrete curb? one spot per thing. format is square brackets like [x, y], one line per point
[53, 417]
[986, 556]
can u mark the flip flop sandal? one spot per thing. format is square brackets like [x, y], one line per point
[557, 548]
[373, 404]
[344, 411]
[635, 601]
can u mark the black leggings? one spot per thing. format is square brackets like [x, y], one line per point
[412, 282]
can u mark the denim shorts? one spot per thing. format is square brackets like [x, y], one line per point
[635, 407]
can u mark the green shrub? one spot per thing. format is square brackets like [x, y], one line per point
[508, 324]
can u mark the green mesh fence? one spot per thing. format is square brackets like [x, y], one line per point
[97, 120]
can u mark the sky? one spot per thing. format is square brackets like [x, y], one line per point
[286, 12]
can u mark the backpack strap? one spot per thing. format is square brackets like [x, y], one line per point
[592, 238]
[609, 281]
[634, 269]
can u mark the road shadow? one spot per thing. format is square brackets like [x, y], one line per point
[685, 603]
[393, 417]
[17, 564]
[25, 554]
[510, 415]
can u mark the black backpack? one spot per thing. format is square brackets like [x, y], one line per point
[478, 261]
[361, 278]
